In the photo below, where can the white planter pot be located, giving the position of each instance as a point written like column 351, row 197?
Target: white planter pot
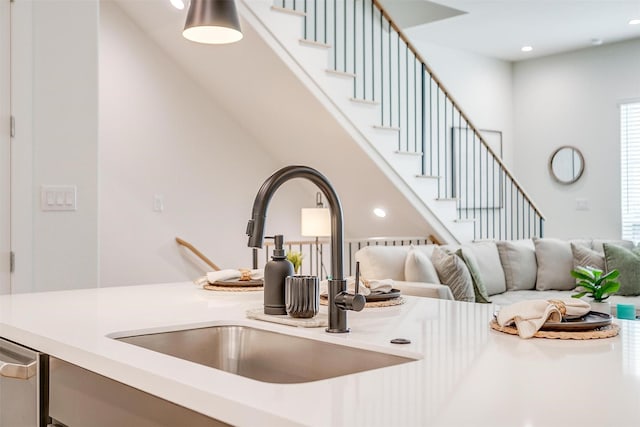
column 601, row 307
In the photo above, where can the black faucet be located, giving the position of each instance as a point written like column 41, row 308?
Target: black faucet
column 339, row 300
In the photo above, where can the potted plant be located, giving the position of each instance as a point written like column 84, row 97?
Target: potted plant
column 593, row 283
column 295, row 258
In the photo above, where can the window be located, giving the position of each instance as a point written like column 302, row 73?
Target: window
column 630, row 169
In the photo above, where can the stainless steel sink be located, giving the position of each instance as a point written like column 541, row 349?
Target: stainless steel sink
column 264, row 355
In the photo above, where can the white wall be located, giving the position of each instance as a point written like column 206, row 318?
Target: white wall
column 5, row 147
column 54, row 100
column 572, row 99
column 160, row 133
column 482, row 87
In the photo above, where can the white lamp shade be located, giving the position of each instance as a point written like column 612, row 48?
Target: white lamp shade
column 315, row 222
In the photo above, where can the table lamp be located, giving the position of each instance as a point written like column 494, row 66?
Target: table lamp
column 316, row 222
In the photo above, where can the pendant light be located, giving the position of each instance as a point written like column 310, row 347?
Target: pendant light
column 212, row 22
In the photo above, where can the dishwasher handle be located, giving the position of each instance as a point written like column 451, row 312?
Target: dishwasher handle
column 18, row 371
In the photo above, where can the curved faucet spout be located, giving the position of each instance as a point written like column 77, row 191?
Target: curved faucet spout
column 339, row 299
column 255, row 227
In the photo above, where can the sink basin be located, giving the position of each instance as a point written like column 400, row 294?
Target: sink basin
column 264, row 355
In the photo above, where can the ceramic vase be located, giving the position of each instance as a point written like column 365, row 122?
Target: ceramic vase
column 601, row 307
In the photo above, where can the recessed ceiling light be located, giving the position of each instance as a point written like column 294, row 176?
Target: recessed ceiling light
column 526, row 48
column 634, row 22
column 178, row 4
column 379, row 212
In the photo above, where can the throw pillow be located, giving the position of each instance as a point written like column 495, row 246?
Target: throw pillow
column 418, row 267
column 627, row 262
column 487, row 260
column 518, row 260
column 382, row 262
column 555, row 262
column 585, row 257
column 479, row 288
column 454, row 273
column 598, row 244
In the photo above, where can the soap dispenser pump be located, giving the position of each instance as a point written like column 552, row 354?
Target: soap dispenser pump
column 275, row 273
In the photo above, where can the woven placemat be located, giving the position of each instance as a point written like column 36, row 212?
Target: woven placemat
column 233, row 288
column 604, row 332
column 373, row 304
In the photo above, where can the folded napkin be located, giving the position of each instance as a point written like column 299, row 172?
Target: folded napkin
column 367, row 287
column 529, row 316
column 230, row 274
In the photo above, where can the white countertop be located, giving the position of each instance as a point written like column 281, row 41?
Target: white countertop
column 466, row 375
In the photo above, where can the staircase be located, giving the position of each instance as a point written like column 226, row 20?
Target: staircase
column 375, row 81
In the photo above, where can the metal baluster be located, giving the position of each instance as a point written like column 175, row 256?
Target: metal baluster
column 373, row 55
column 344, row 34
column 479, row 161
column 431, row 127
column 493, row 192
column 467, row 170
column 406, row 87
column 335, row 35
column 438, row 139
column 381, row 70
column 390, row 79
column 305, row 18
column 364, row 55
column 324, row 21
column 355, row 69
column 399, row 91
column 424, row 120
column 415, row 104
column 315, row 20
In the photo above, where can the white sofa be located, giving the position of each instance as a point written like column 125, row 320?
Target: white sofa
column 505, row 271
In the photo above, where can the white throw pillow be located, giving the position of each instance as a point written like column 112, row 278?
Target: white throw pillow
column 382, row 262
column 518, row 260
column 419, row 268
column 555, row 262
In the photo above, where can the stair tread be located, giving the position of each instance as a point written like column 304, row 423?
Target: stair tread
column 391, row 128
column 447, row 199
column 340, row 73
column 428, row 176
column 315, row 43
column 287, row 10
column 364, row 101
column 409, row 153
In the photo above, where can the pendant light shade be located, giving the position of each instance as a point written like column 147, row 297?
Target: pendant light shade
column 212, row 22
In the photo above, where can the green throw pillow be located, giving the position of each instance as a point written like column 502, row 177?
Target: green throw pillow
column 627, row 262
column 479, row 288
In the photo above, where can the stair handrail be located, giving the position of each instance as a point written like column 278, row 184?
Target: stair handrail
column 429, row 70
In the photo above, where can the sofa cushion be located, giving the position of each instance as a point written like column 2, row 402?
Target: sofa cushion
column 555, row 262
column 627, row 262
column 518, row 260
column 382, row 262
column 479, row 288
column 585, row 257
column 489, row 268
column 453, row 272
column 419, row 268
column 598, row 244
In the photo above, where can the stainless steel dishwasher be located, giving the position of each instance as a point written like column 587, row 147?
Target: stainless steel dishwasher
column 23, row 386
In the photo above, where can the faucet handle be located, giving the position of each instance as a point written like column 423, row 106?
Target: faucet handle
column 357, row 287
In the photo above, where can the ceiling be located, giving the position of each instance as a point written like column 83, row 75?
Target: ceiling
column 499, row 28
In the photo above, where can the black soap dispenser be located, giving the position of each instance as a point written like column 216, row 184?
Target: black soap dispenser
column 275, row 273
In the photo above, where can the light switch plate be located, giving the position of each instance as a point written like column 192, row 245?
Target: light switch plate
column 582, row 204
column 58, row 198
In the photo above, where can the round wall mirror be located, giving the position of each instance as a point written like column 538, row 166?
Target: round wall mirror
column 566, row 165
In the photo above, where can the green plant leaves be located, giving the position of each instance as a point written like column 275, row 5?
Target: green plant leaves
column 594, row 283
